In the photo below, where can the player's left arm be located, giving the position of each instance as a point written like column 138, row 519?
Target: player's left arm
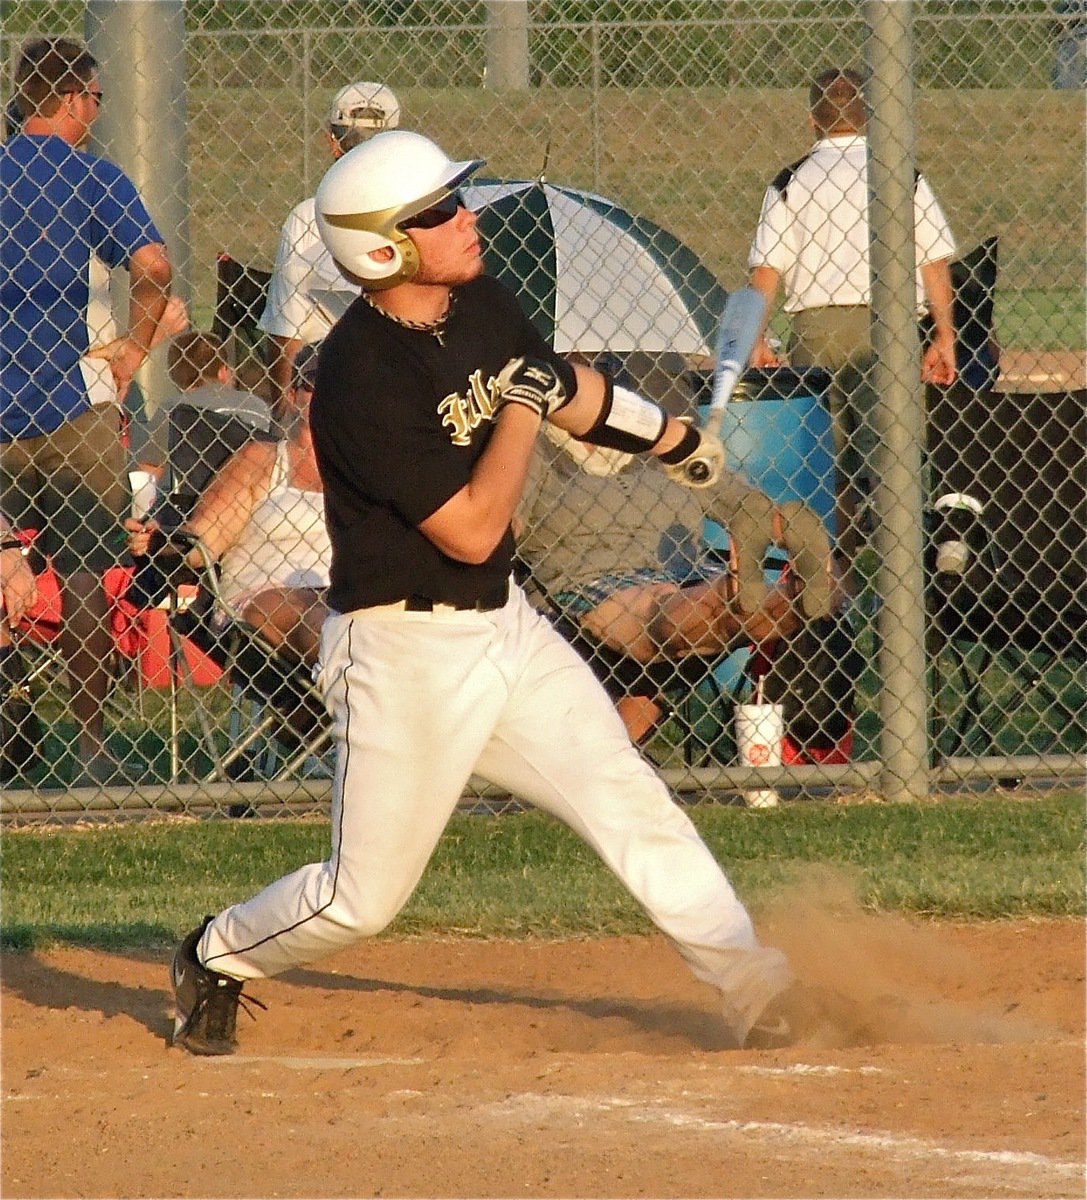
column 472, row 522
column 585, row 403
column 614, row 417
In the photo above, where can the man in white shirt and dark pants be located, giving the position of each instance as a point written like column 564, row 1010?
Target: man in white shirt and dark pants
column 813, row 237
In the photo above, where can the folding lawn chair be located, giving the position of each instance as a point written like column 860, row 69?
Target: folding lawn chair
column 145, row 659
column 277, row 718
column 240, row 294
column 279, row 725
column 1007, row 559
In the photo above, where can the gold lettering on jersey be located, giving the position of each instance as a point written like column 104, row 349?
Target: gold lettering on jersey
column 464, row 414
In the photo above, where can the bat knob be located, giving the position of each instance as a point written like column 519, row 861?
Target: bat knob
column 698, row 471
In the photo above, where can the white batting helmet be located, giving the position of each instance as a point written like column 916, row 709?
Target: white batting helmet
column 367, row 193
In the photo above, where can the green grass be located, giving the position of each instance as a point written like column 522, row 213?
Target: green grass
column 1041, row 319
column 138, row 731
column 524, row 875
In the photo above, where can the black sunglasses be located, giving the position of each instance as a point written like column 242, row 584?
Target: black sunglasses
column 437, row 214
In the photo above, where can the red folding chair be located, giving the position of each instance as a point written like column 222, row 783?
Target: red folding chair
column 148, row 651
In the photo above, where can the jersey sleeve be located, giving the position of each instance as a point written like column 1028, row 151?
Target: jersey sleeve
column 771, row 246
column 932, row 231
column 120, row 221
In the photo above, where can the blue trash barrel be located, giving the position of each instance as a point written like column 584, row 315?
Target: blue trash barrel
column 777, row 431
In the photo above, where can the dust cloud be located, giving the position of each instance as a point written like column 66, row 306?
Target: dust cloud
column 904, row 975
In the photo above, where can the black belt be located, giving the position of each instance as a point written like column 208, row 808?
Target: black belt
column 488, row 602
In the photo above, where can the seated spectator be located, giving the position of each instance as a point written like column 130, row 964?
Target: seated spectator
column 616, row 548
column 262, row 520
column 200, row 370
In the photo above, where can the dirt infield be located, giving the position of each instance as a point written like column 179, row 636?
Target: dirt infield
column 469, row 1068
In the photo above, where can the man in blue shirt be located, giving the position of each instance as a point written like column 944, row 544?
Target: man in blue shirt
column 66, row 218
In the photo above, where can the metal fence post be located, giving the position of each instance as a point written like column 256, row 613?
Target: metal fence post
column 594, row 104
column 140, row 48
column 307, row 92
column 900, row 413
column 507, row 45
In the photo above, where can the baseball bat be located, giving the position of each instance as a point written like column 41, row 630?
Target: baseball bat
column 741, row 324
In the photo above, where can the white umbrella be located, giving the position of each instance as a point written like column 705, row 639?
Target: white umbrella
column 593, row 276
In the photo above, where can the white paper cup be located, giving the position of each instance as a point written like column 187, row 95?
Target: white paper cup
column 952, row 557
column 760, row 730
column 144, row 488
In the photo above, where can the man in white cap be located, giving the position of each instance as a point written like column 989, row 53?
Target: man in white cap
column 292, row 315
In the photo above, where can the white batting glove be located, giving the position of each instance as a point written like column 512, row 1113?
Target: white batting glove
column 531, row 382
column 703, row 465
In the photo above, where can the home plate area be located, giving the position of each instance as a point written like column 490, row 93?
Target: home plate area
column 586, row 1068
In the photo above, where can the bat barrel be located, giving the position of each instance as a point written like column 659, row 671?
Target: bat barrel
column 741, row 323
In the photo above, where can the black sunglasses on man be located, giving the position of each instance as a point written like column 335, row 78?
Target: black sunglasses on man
column 437, row 214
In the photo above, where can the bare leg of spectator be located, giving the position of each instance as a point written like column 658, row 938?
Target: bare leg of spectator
column 664, row 621
column 289, row 618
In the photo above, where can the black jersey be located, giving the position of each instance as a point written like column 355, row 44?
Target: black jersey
column 399, row 419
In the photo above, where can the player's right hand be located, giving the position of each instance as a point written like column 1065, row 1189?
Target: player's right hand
column 531, row 382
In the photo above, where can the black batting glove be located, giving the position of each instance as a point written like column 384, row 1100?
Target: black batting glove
column 531, row 382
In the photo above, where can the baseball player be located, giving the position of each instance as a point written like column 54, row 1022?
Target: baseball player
column 431, row 391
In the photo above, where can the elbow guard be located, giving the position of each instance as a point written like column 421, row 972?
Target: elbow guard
column 627, row 421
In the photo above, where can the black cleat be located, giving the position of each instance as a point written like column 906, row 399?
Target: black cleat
column 205, row 1002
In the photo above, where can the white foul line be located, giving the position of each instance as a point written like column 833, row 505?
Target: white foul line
column 902, row 1146
column 313, row 1064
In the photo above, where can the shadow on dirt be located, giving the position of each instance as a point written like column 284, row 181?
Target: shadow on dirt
column 697, row 1029
column 48, row 986
column 45, row 985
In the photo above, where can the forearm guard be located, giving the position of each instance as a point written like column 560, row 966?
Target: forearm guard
column 626, row 421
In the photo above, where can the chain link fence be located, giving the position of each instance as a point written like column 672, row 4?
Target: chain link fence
column 644, row 160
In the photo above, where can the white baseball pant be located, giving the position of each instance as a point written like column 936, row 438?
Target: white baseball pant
column 420, row 702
